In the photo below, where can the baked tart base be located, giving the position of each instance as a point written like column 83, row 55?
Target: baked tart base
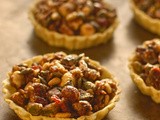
column 70, row 42
column 150, row 24
column 8, row 90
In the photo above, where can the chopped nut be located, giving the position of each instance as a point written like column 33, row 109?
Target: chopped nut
column 83, row 65
column 137, row 67
column 51, row 109
column 46, row 66
column 17, row 79
column 105, row 86
column 36, row 80
column 91, row 74
column 102, row 13
column 106, row 99
column 88, row 85
column 87, row 10
column 58, row 68
column 34, row 108
column 103, row 22
column 38, row 99
column 77, row 73
column 82, row 107
column 29, row 87
column 147, row 68
column 72, row 16
column 59, row 55
column 54, row 92
column 27, row 71
column 85, row 95
column 87, row 29
column 97, row 6
column 70, row 60
column 39, row 89
column 19, row 99
column 71, row 94
column 75, row 20
column 54, row 81
column 108, row 88
column 55, row 16
column 66, row 8
column 67, row 78
column 66, row 30
column 154, row 76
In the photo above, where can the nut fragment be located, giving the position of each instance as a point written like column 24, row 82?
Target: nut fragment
column 108, row 88
column 54, row 81
column 34, row 108
column 17, row 79
column 66, row 8
column 55, row 16
column 66, row 30
column 82, row 107
column 71, row 94
column 36, row 80
column 106, row 99
column 50, row 109
column 19, row 98
column 87, row 29
column 67, row 78
column 72, row 16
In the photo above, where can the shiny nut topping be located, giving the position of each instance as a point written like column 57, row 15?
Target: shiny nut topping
column 72, row 17
column 61, row 84
column 147, row 62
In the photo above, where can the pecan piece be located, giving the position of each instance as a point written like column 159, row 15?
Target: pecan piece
column 82, row 107
column 71, row 94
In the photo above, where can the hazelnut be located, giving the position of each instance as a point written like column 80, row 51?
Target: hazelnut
column 66, row 8
column 87, row 29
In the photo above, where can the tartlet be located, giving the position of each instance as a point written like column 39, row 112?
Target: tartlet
column 144, row 67
column 73, row 24
column 147, row 14
column 57, row 86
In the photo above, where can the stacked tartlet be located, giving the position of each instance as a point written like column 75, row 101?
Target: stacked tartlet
column 147, row 14
column 73, row 24
column 58, row 86
column 145, row 68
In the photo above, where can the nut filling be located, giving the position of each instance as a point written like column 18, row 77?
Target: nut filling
column 75, row 17
column 150, row 7
column 62, row 85
column 147, row 63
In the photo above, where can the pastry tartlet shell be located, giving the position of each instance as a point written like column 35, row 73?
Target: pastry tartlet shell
column 8, row 90
column 139, row 82
column 150, row 24
column 54, row 38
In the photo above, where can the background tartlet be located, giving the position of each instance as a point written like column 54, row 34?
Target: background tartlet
column 10, row 87
column 145, row 68
column 147, row 19
column 86, row 24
